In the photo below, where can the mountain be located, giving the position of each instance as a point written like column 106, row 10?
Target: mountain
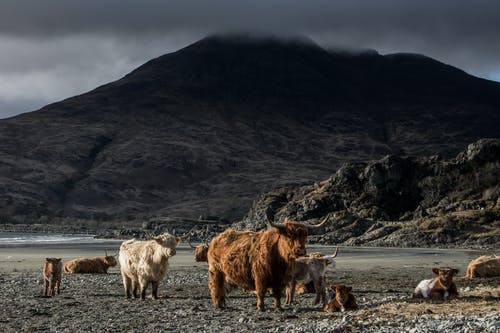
column 402, row 201
column 204, row 130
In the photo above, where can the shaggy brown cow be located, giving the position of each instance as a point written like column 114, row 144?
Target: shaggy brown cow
column 484, row 266
column 97, row 265
column 341, row 299
column 255, row 260
column 440, row 287
column 144, row 262
column 52, row 270
column 311, row 269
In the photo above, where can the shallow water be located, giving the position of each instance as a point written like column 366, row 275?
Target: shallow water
column 9, row 239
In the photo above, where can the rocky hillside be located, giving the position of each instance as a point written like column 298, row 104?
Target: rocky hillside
column 399, row 200
column 206, row 129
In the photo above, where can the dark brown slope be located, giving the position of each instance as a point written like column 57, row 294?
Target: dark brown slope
column 204, row 130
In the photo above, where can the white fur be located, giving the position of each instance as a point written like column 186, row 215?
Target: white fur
column 425, row 286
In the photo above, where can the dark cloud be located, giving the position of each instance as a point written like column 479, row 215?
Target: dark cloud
column 96, row 41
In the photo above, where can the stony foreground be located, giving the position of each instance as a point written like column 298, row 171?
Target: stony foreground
column 95, row 303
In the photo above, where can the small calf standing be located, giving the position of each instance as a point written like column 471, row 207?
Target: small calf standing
column 440, row 287
column 52, row 270
column 97, row 265
column 341, row 299
column 310, row 270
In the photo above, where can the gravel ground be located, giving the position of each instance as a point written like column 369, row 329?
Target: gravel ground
column 96, row 303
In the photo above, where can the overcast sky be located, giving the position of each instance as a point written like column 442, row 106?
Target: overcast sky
column 51, row 50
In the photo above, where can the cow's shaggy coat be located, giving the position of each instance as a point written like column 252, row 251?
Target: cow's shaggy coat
column 255, row 260
column 99, row 265
column 484, row 266
column 144, row 262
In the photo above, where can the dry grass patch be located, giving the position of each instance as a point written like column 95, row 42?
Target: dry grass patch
column 480, row 301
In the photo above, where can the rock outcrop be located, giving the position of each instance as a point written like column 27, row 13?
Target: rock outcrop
column 399, row 200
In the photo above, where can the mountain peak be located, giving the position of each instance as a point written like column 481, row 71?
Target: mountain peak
column 254, row 39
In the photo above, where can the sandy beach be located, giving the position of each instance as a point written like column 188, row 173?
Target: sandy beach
column 382, row 280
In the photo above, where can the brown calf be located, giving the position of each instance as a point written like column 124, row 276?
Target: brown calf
column 341, row 299
column 52, row 270
column 97, row 265
column 440, row 287
column 200, row 251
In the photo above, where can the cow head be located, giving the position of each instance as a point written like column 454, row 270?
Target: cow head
column 200, row 252
column 445, row 275
column 110, row 261
column 53, row 261
column 168, row 241
column 328, row 259
column 296, row 235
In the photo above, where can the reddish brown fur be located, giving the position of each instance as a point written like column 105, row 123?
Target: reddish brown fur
column 341, row 299
column 440, row 287
column 97, row 265
column 484, row 266
column 255, row 260
column 200, row 253
column 52, row 270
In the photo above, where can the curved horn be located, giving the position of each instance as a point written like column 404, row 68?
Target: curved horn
column 187, row 235
column 272, row 224
column 314, row 226
column 189, row 242
column 336, row 251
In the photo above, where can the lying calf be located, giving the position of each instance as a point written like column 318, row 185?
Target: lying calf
column 440, row 287
column 341, row 299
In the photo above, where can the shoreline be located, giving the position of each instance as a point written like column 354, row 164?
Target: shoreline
column 115, row 234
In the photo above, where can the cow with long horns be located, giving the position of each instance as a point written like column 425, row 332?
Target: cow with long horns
column 256, row 260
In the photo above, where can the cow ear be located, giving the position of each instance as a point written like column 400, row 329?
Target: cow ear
column 455, row 271
column 435, row 270
column 47, row 259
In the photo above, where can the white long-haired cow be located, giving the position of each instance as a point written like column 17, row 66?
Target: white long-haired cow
column 311, row 269
column 52, row 271
column 143, row 262
column 440, row 287
column 484, row 266
column 98, row 265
